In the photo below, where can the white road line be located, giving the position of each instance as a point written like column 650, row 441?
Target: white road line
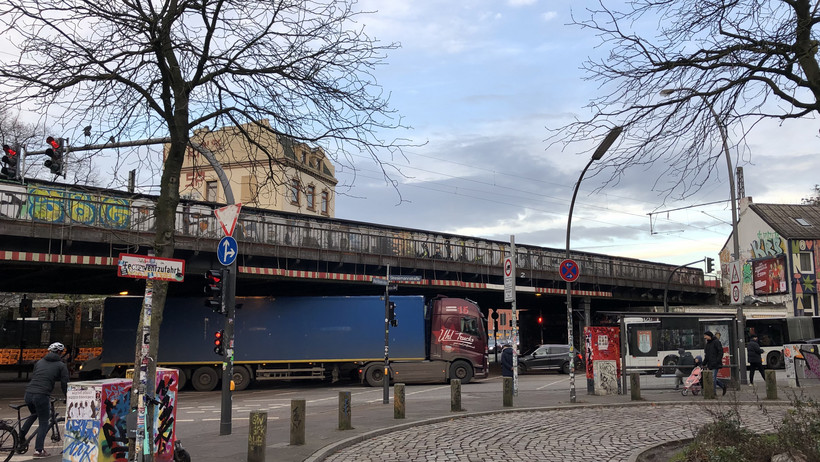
column 553, row 383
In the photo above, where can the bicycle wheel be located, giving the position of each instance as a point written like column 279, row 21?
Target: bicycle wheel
column 8, row 442
column 55, row 429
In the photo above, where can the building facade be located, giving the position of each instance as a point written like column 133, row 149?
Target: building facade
column 779, row 256
column 265, row 170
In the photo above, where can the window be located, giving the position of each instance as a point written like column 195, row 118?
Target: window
column 304, row 158
column 324, row 204
column 294, row 192
column 210, row 191
column 804, row 262
column 309, row 197
column 469, row 326
column 805, row 305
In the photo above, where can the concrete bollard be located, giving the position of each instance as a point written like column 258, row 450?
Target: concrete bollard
column 455, row 395
column 257, row 436
column 398, row 401
column 635, row 386
column 508, row 391
column 297, row 422
column 708, row 384
column 344, row 411
column 771, row 385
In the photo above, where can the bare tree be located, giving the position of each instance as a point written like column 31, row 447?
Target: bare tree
column 141, row 69
column 736, row 62
column 813, row 198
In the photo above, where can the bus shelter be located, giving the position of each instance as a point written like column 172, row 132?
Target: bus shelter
column 650, row 341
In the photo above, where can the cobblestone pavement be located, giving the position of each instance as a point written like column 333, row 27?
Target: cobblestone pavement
column 578, row 434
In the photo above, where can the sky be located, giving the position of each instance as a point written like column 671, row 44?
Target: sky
column 480, row 82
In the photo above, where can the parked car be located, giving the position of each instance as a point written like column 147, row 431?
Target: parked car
column 548, row 357
column 491, row 345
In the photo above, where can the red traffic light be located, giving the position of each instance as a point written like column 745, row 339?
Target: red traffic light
column 9, row 151
column 540, row 320
column 54, row 144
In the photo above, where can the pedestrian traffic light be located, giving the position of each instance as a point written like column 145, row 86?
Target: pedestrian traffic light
column 710, row 265
column 11, row 163
column 55, row 152
column 391, row 314
column 213, row 289
column 219, row 342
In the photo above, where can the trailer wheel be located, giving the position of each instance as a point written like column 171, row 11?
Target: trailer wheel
column 204, row 379
column 774, row 360
column 241, row 377
column 375, row 376
column 461, row 370
column 182, row 379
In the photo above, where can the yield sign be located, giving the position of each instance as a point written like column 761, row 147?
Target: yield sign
column 227, row 217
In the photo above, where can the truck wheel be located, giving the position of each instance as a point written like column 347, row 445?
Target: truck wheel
column 241, row 377
column 182, row 378
column 774, row 360
column 204, row 379
column 461, row 370
column 374, row 376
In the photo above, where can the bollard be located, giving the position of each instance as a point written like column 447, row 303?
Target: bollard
column 344, row 411
column 508, row 391
column 455, row 395
column 771, row 385
column 297, row 422
column 708, row 384
column 398, row 401
column 257, row 436
column 635, row 386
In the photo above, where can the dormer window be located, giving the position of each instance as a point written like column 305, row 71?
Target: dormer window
column 802, row 221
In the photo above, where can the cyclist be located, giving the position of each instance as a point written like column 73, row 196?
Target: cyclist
column 47, row 372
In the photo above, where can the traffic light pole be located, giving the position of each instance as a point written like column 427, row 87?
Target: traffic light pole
column 386, row 379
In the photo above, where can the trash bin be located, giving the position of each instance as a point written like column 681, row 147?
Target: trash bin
column 96, row 419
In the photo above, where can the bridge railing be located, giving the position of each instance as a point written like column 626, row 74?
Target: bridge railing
column 114, row 210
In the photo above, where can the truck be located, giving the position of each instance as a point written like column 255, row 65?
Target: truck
column 306, row 338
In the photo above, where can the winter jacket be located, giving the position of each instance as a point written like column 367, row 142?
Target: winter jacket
column 507, row 362
column 755, row 352
column 713, row 354
column 686, row 363
column 48, row 371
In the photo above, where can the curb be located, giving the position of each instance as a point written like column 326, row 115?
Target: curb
column 328, row 450
column 637, row 454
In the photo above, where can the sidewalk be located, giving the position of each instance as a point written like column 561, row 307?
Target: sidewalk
column 612, row 425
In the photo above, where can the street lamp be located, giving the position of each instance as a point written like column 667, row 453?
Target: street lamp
column 741, row 340
column 605, row 145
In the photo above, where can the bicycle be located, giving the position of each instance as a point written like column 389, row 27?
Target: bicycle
column 10, row 431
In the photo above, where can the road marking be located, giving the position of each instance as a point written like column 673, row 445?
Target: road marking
column 553, row 383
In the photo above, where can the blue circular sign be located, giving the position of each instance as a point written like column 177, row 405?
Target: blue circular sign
column 569, row 270
column 227, row 250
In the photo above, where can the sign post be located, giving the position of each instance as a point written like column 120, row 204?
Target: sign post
column 735, row 282
column 509, row 296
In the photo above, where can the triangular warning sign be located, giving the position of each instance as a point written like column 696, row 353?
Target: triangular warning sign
column 735, row 277
column 227, row 217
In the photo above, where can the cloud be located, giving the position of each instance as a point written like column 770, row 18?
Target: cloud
column 519, row 3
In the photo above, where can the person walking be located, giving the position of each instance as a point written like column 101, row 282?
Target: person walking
column 755, row 360
column 686, row 362
column 507, row 361
column 47, row 371
column 713, row 352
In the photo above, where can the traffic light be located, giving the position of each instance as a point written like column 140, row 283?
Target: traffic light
column 391, row 314
column 55, row 163
column 219, row 342
column 540, row 320
column 26, row 307
column 11, row 163
column 710, row 265
column 214, row 280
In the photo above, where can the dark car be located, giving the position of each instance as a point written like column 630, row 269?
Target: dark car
column 548, row 357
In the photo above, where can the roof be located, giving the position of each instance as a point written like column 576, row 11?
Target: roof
column 791, row 221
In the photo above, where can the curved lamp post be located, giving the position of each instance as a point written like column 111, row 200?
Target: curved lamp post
column 741, row 339
column 605, row 145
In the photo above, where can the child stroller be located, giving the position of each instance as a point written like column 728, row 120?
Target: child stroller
column 692, row 383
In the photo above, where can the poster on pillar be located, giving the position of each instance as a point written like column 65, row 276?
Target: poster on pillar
column 602, row 344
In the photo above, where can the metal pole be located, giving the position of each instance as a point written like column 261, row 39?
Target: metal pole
column 386, row 379
column 668, row 280
column 514, row 320
column 606, row 144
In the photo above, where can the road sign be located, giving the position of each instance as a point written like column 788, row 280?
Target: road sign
column 227, row 250
column 380, row 281
column 405, row 278
column 509, row 280
column 736, row 283
column 227, row 217
column 569, row 270
column 146, row 267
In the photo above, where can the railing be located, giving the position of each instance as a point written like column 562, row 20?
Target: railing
column 108, row 209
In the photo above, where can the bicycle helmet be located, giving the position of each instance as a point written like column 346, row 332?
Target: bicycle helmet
column 56, row 347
